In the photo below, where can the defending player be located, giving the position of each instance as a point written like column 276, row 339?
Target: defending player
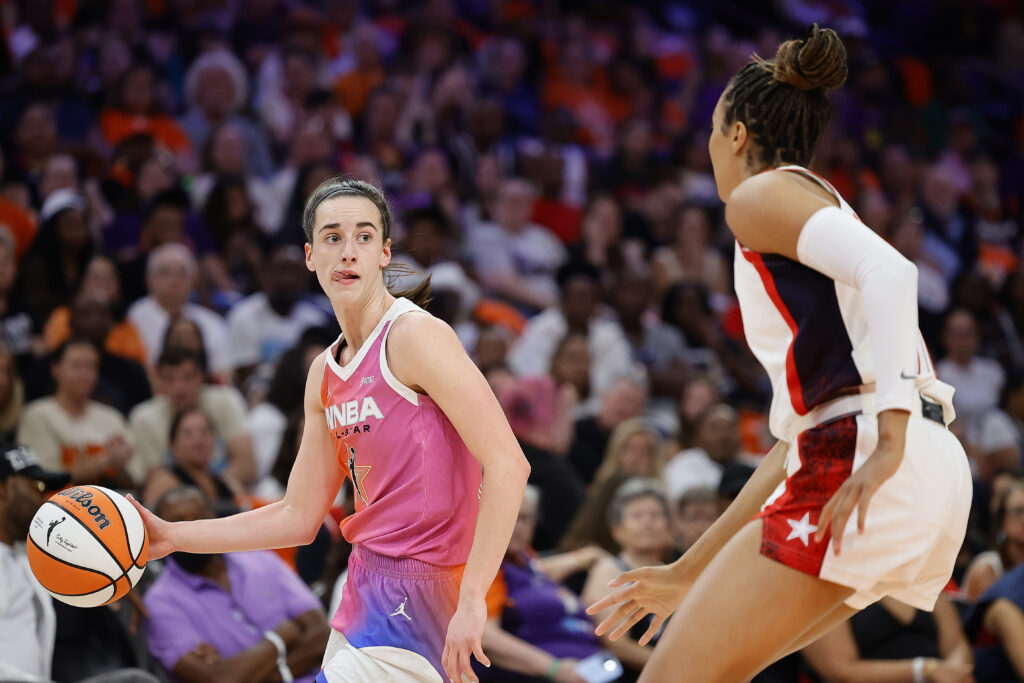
column 398, row 406
column 830, row 310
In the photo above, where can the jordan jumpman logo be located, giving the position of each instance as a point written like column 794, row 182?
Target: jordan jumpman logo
column 52, row 525
column 401, row 610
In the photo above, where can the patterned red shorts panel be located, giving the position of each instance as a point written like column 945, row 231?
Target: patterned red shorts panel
column 826, row 455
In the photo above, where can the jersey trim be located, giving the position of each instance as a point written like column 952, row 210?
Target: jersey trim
column 792, row 378
column 385, row 370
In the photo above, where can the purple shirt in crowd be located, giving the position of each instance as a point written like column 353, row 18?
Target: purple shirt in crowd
column 185, row 609
column 545, row 614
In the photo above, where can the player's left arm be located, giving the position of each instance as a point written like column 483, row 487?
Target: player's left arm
column 777, row 213
column 424, row 354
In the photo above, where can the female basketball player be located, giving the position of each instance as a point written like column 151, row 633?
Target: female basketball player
column 830, row 310
column 397, row 406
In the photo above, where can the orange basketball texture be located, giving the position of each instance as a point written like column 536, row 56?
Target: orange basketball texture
column 87, row 546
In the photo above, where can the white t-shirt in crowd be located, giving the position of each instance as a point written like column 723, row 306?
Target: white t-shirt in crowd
column 60, row 440
column 259, row 335
column 151, row 320
column 977, row 389
column 534, row 253
column 28, row 625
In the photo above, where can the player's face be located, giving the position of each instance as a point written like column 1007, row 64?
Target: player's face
column 727, row 148
column 718, row 147
column 348, row 252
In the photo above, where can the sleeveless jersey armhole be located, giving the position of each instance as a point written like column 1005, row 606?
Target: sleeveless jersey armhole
column 385, row 370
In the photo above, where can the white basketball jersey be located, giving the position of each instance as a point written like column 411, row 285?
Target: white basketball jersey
column 807, row 330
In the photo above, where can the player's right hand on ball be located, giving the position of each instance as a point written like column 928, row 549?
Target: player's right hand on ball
column 160, row 544
column 648, row 590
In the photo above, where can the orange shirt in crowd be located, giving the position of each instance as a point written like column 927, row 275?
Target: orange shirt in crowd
column 118, row 125
column 21, row 223
column 123, row 340
column 354, row 88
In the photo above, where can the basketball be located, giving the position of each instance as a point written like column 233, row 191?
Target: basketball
column 87, row 545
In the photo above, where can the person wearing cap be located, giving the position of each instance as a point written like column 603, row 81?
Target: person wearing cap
column 265, row 324
column 28, row 622
column 57, row 259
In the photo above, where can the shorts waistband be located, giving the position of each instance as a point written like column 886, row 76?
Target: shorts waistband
column 857, row 404
column 401, row 567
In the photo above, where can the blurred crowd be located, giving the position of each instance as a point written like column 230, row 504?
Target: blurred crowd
column 548, row 164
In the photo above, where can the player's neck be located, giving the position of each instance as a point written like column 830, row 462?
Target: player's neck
column 358, row 322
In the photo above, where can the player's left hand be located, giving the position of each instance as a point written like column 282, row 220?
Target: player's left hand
column 464, row 633
column 856, row 492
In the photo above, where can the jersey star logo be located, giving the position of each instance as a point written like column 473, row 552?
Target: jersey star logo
column 357, row 473
column 801, row 528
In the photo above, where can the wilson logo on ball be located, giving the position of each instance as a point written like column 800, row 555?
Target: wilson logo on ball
column 84, row 498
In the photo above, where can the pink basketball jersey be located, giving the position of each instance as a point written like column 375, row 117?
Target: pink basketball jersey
column 416, row 485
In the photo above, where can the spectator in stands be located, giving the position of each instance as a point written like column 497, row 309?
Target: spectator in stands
column 699, row 394
column 580, row 312
column 692, row 515
column 951, row 241
column 891, row 641
column 570, row 365
column 656, row 345
column 12, row 397
column 515, row 258
column 267, row 420
column 28, row 623
column 181, row 387
column 536, row 628
column 716, row 444
column 192, row 449
column 216, row 92
column 538, row 412
column 100, row 279
column 122, row 383
column 1008, row 544
column 591, row 433
column 70, row 432
column 17, row 329
column 170, row 276
column 634, row 450
column 977, row 380
column 634, row 447
column 691, row 256
column 135, row 108
column 208, row 613
column 264, row 324
column 639, row 520
column 55, row 263
column 994, row 625
column 34, row 141
column 1000, row 431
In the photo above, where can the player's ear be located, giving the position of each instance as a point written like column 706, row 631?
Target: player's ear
column 309, row 258
column 386, row 253
column 739, row 137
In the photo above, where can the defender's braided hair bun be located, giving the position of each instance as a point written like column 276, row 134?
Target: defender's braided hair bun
column 818, row 61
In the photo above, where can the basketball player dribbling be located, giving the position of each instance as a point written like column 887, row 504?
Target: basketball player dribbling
column 398, row 407
column 830, row 310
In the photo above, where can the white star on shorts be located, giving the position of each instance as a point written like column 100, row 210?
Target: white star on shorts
column 801, row 528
